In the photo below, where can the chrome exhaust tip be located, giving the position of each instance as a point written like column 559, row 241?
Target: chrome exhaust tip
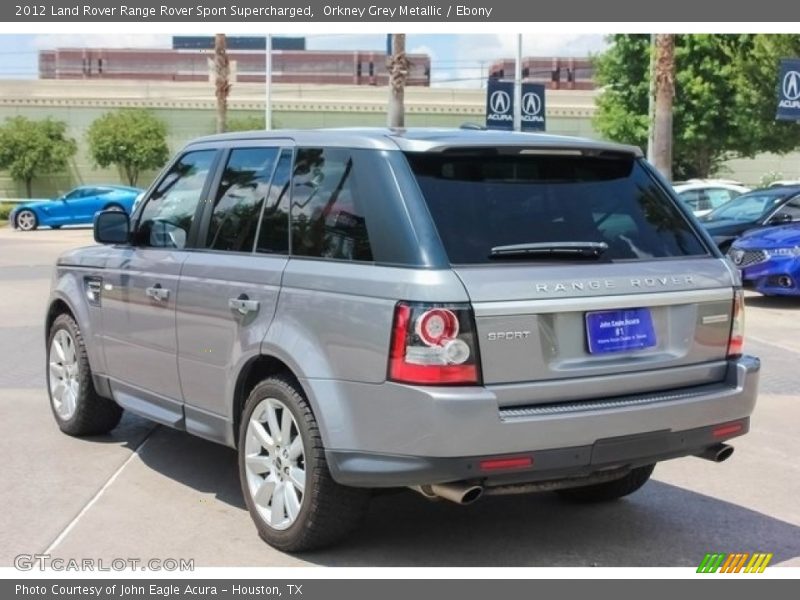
column 460, row 493
column 717, row 453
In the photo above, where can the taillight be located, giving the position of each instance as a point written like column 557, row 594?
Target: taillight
column 736, row 341
column 433, row 344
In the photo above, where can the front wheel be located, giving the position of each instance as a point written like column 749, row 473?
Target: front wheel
column 287, row 486
column 26, row 220
column 610, row 490
column 77, row 407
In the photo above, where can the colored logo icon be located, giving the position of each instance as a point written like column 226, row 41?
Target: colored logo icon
column 741, row 562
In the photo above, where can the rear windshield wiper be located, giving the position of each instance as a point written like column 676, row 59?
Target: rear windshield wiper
column 554, row 249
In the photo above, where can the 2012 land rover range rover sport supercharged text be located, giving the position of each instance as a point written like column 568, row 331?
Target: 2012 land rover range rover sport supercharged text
column 459, row 312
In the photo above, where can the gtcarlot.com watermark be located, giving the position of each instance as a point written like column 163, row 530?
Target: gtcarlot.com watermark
column 43, row 562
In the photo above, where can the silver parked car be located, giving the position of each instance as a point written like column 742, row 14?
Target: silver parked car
column 458, row 312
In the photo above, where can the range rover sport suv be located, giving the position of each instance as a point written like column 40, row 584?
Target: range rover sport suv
column 458, row 312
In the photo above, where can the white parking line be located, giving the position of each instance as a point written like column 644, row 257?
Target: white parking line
column 97, row 496
column 773, row 344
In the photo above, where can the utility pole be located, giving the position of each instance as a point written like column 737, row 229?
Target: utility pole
column 222, row 84
column 664, row 95
column 399, row 68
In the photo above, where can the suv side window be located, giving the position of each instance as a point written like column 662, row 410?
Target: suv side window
column 327, row 218
column 273, row 234
column 168, row 215
column 241, row 194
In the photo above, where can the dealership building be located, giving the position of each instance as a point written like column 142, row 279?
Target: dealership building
column 191, row 59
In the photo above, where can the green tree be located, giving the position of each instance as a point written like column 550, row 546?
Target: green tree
column 29, row 148
column 133, row 139
column 246, row 123
column 725, row 97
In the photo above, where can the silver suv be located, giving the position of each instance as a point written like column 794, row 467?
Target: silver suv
column 459, row 312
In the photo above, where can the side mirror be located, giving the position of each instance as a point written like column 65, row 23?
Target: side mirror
column 111, row 227
column 780, row 218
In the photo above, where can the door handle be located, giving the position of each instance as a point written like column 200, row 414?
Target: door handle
column 243, row 304
column 157, row 292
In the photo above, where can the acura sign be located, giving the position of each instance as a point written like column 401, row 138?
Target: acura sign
column 789, row 90
column 500, row 105
column 533, row 107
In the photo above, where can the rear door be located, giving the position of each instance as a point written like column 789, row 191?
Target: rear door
column 229, row 287
column 651, row 309
column 140, row 288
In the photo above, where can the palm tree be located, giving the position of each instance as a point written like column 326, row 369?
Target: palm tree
column 222, row 72
column 399, row 67
column 664, row 73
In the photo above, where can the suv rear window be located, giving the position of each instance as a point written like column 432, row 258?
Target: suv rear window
column 484, row 200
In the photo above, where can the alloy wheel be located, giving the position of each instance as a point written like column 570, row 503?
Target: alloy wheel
column 275, row 463
column 64, row 374
column 26, row 220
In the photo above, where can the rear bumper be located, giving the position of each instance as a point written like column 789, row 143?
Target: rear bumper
column 392, row 435
column 625, row 452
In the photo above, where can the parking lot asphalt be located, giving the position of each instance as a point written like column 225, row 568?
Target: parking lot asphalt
column 146, row 491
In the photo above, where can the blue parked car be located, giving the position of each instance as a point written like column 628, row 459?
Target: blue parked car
column 753, row 210
column 769, row 259
column 73, row 208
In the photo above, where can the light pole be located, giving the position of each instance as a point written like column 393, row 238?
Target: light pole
column 268, row 108
column 518, row 86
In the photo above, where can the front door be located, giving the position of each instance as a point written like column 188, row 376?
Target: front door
column 140, row 289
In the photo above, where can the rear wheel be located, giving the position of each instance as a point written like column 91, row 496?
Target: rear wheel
column 77, row 407
column 287, row 487
column 609, row 490
column 27, row 220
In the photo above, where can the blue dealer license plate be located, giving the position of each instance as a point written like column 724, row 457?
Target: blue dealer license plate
column 619, row 330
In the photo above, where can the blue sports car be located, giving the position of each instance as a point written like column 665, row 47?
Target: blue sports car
column 76, row 207
column 769, row 259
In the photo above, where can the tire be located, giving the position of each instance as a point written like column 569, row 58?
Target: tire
column 609, row 490
column 324, row 511
column 26, row 220
column 76, row 406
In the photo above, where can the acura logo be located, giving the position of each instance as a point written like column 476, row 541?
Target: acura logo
column 531, row 104
column 499, row 102
column 738, row 256
column 791, row 85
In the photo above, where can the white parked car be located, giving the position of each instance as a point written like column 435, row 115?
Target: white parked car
column 704, row 195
